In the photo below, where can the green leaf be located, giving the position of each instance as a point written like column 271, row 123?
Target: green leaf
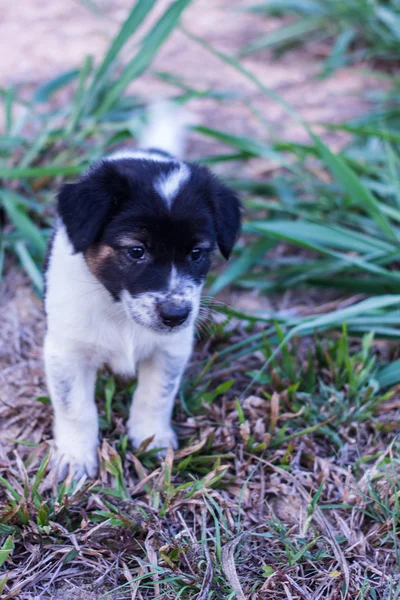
column 285, row 232
column 284, row 35
column 29, row 265
column 330, row 236
column 246, row 145
column 296, row 557
column 271, row 93
column 143, row 58
column 109, row 391
column 70, row 555
column 136, row 17
column 267, row 571
column 219, row 390
column 339, row 55
column 6, row 550
column 358, row 193
column 390, row 374
column 22, row 222
column 41, row 472
column 44, row 92
column 79, row 99
column 3, row 582
column 247, row 258
column 36, row 172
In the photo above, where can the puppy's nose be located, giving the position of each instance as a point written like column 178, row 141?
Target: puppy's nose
column 172, row 314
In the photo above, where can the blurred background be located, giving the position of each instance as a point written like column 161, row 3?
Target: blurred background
column 289, row 412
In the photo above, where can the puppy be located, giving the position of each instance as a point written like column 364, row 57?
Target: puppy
column 131, row 249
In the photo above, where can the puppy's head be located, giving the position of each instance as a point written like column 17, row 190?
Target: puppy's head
column 147, row 231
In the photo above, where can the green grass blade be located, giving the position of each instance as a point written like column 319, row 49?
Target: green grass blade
column 44, row 92
column 149, row 47
column 29, row 266
column 248, row 257
column 35, row 172
column 330, row 320
column 2, row 256
column 136, row 17
column 281, row 7
column 6, row 550
column 9, row 97
column 340, row 52
column 367, row 132
column 283, row 35
column 390, row 374
column 246, row 145
column 248, row 75
column 38, row 145
column 330, row 236
column 79, row 100
column 358, row 193
column 287, row 235
column 22, row 222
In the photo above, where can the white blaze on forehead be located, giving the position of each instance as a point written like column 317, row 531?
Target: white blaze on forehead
column 169, row 185
column 174, row 279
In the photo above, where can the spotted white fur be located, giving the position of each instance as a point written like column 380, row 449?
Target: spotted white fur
column 89, row 326
column 86, row 329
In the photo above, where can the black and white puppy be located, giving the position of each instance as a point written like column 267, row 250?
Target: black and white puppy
column 131, row 249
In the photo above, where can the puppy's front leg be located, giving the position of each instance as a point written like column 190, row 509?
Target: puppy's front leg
column 71, row 382
column 150, row 415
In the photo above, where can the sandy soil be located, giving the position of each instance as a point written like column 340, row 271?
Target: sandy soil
column 39, row 39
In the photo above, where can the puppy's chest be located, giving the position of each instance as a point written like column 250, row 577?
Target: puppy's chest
column 123, row 346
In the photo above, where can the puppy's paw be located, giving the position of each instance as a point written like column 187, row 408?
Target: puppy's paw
column 77, row 461
column 163, row 436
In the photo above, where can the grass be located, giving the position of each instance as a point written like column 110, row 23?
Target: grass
column 356, row 30
column 36, row 148
column 191, row 522
column 287, row 420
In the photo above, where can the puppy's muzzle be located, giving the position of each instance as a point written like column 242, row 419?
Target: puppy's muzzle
column 173, row 314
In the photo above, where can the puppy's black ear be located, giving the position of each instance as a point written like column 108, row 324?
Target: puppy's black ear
column 87, row 205
column 227, row 217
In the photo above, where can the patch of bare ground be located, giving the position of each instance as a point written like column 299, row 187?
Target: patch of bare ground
column 234, row 508
column 21, row 367
column 258, row 500
column 48, row 38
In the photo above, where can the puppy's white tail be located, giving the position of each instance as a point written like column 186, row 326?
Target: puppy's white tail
column 165, row 129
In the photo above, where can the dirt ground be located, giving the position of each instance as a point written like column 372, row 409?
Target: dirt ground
column 46, row 38
column 40, row 38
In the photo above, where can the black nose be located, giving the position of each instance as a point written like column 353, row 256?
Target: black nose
column 173, row 315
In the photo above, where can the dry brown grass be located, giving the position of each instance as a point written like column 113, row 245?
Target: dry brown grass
column 284, row 487
column 249, row 507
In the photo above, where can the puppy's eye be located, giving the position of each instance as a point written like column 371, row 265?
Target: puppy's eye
column 196, row 254
column 136, row 252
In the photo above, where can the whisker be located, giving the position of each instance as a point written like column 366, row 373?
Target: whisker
column 210, row 301
column 205, row 329
column 209, row 312
column 93, row 293
column 91, row 282
column 118, row 311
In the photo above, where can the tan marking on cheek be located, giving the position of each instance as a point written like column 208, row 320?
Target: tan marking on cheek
column 96, row 256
